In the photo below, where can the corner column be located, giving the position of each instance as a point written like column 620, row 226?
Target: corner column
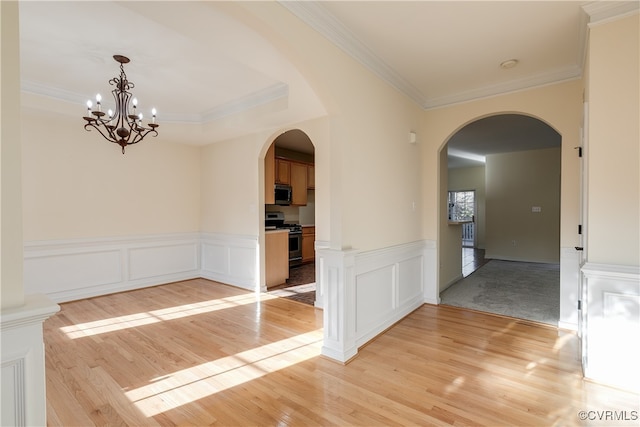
column 337, row 281
column 23, row 365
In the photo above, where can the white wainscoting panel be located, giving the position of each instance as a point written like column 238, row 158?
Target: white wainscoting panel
column 364, row 293
column 411, row 275
column 611, row 324
column 65, row 270
column 376, row 297
column 230, row 259
column 430, row 269
column 82, row 268
column 175, row 258
column 23, row 391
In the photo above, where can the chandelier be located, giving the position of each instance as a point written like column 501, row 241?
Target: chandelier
column 123, row 127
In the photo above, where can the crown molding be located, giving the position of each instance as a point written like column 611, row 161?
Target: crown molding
column 39, row 88
column 604, row 11
column 507, row 87
column 256, row 99
column 318, row 18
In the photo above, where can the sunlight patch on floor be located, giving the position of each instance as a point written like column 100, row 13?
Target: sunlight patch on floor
column 188, row 385
column 293, row 290
column 102, row 326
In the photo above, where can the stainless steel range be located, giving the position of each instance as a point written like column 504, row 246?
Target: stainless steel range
column 275, row 220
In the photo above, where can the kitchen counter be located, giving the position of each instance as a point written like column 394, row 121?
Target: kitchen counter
column 276, row 256
column 276, row 230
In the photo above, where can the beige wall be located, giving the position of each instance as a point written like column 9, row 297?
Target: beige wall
column 232, row 199
column 450, row 236
column 230, row 186
column 374, row 177
column 515, row 183
column 613, row 154
column 78, row 185
column 11, row 288
column 473, row 178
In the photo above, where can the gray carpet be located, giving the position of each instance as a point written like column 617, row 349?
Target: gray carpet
column 517, row 289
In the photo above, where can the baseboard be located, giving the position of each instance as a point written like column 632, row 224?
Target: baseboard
column 568, row 326
column 451, row 282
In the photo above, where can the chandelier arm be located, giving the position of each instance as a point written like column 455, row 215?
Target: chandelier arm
column 109, row 137
column 140, row 135
column 109, row 128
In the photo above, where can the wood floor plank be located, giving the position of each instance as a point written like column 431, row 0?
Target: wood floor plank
column 201, row 353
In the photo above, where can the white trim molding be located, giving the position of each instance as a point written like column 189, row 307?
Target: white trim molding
column 611, row 324
column 23, row 369
column 365, row 293
column 605, row 11
column 319, row 244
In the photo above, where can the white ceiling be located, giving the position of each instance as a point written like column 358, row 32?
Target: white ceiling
column 211, row 77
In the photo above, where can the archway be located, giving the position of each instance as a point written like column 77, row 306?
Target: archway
column 289, row 207
column 512, row 162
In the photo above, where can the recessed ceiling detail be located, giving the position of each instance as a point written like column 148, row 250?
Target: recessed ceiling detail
column 207, row 68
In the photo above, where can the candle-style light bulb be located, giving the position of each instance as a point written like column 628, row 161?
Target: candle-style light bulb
column 110, row 112
column 98, row 99
column 89, row 105
column 153, row 115
column 140, row 118
column 134, row 102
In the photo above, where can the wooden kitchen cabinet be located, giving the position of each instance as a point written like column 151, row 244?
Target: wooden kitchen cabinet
column 311, row 177
column 270, row 176
column 276, row 257
column 298, row 184
column 308, row 243
column 299, row 175
column 283, row 171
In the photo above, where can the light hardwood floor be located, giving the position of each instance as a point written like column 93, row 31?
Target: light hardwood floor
column 201, row 353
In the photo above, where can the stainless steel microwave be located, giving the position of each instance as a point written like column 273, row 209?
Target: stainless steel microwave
column 283, row 194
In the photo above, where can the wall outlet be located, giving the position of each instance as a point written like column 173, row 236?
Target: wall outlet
column 513, row 243
column 536, row 209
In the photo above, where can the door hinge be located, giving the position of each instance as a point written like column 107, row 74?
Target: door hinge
column 579, row 228
column 579, row 305
column 579, row 151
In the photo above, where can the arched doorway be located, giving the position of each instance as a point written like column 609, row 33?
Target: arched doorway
column 290, row 208
column 511, row 164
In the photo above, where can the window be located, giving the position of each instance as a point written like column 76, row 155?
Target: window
column 461, row 205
